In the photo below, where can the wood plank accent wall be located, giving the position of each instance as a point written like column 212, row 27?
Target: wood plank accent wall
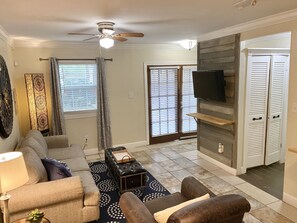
column 220, row 54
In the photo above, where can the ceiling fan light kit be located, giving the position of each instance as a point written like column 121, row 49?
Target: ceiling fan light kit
column 188, row 44
column 106, row 42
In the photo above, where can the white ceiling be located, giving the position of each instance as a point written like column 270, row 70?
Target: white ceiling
column 160, row 21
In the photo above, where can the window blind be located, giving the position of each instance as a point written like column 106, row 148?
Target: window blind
column 189, row 102
column 163, row 85
column 78, row 81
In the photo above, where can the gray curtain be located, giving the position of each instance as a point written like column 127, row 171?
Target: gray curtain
column 103, row 119
column 58, row 125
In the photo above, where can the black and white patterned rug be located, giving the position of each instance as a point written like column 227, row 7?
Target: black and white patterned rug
column 110, row 211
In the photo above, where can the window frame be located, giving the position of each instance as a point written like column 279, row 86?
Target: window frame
column 179, row 134
column 78, row 113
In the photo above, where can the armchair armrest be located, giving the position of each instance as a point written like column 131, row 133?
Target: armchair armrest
column 44, row 194
column 59, row 141
column 192, row 188
column 226, row 208
column 134, row 210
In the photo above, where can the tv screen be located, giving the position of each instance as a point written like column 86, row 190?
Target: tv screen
column 209, row 85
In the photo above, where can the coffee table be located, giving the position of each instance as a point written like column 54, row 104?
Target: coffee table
column 128, row 176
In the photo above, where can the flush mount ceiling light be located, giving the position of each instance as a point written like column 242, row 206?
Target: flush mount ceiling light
column 106, row 42
column 244, row 3
column 188, row 44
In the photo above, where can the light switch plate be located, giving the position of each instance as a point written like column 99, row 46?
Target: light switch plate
column 131, row 95
column 295, row 107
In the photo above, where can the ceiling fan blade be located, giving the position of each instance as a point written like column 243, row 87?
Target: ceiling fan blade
column 94, row 37
column 118, row 38
column 129, row 35
column 85, row 34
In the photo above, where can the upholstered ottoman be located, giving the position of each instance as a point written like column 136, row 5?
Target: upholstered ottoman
column 128, row 176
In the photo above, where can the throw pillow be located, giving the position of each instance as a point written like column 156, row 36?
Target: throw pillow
column 55, row 169
column 36, row 170
column 162, row 216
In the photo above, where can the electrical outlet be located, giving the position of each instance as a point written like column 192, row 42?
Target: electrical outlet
column 221, row 148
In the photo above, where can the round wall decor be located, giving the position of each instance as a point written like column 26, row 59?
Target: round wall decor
column 6, row 103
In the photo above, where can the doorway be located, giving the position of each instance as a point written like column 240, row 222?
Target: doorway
column 269, row 126
column 171, row 97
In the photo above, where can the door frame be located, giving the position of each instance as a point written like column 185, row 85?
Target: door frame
column 264, row 52
column 145, row 78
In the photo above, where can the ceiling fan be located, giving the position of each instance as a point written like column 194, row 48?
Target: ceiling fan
column 107, row 34
column 244, row 3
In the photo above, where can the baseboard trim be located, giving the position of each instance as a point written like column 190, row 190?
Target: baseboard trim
column 289, row 199
column 91, row 151
column 133, row 144
column 219, row 164
column 94, row 151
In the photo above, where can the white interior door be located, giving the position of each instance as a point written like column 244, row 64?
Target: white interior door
column 256, row 109
column 278, row 72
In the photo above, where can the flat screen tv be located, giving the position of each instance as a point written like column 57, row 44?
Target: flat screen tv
column 209, row 85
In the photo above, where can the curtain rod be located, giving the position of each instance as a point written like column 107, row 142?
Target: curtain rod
column 43, row 59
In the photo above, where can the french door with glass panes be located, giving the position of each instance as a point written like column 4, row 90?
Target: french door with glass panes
column 171, row 97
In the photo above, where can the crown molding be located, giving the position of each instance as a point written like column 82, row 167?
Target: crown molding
column 5, row 36
column 248, row 26
column 92, row 45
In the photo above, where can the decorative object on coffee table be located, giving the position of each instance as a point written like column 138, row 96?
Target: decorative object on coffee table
column 122, row 156
column 129, row 175
column 35, row 216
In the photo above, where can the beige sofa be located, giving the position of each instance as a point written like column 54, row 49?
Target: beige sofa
column 73, row 199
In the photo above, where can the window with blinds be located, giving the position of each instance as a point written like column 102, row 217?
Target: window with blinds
column 163, row 96
column 189, row 102
column 78, row 81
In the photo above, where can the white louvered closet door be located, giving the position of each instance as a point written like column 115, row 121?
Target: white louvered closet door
column 256, row 109
column 278, row 74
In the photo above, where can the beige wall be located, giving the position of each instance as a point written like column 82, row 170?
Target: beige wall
column 271, row 41
column 9, row 143
column 125, row 74
column 290, row 183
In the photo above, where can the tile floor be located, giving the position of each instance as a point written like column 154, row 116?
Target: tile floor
column 171, row 162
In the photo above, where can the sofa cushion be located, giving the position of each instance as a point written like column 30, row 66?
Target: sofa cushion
column 35, row 168
column 55, row 169
column 65, row 153
column 164, row 202
column 92, row 194
column 77, row 164
column 162, row 216
column 38, row 137
column 36, row 146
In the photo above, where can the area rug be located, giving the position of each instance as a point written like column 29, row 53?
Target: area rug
column 110, row 211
